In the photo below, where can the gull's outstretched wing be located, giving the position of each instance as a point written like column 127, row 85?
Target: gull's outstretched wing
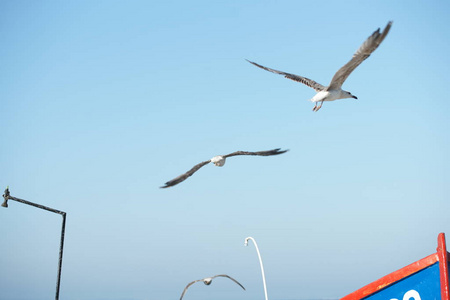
column 189, row 284
column 184, row 176
column 260, row 153
column 306, row 81
column 360, row 55
column 224, row 275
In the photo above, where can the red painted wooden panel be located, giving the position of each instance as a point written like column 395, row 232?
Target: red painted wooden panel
column 443, row 266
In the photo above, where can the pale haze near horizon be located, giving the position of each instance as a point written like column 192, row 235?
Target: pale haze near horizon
column 104, row 101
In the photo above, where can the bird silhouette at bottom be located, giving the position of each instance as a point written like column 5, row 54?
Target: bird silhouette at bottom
column 207, row 281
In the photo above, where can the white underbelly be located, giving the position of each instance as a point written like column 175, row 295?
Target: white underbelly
column 325, row 96
column 320, row 96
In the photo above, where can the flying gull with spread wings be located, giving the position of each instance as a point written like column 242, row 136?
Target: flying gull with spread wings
column 334, row 91
column 208, row 281
column 219, row 161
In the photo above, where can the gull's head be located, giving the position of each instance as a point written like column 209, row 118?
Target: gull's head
column 349, row 95
column 207, row 281
column 218, row 160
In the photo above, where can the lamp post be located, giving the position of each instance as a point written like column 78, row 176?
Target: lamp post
column 260, row 262
column 7, row 197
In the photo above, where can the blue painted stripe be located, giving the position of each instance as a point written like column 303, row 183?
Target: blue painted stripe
column 423, row 285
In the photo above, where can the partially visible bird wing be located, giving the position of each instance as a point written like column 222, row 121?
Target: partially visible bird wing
column 189, row 284
column 360, row 55
column 260, row 153
column 184, row 176
column 306, row 81
column 224, row 275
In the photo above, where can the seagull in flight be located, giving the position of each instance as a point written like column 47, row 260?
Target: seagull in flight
column 208, row 281
column 219, row 161
column 334, row 91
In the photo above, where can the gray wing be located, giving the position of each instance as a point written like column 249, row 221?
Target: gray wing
column 184, row 176
column 224, row 275
column 306, row 81
column 189, row 284
column 360, row 55
column 260, row 153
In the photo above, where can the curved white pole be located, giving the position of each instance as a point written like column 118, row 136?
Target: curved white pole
column 260, row 262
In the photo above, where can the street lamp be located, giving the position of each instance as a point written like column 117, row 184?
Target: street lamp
column 7, row 196
column 260, row 262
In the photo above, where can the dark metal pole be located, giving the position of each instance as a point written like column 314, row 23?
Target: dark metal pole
column 61, row 247
column 7, row 197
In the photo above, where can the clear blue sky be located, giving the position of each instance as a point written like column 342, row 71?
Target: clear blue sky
column 104, row 101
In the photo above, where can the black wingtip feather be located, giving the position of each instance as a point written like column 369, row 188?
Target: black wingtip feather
column 277, row 151
column 167, row 185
